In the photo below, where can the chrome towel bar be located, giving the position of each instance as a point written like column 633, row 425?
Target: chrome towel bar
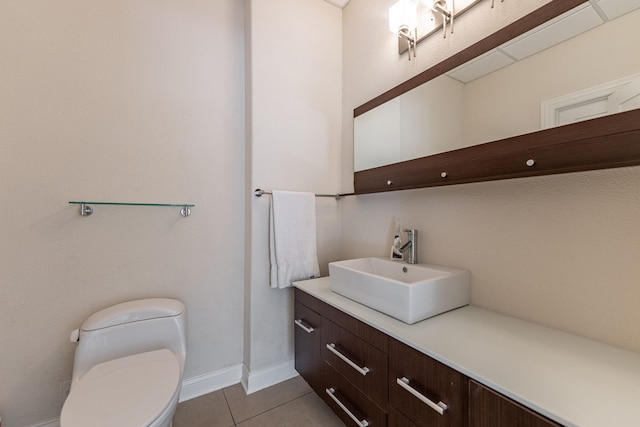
column 258, row 193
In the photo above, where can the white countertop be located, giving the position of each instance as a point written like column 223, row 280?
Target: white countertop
column 571, row 380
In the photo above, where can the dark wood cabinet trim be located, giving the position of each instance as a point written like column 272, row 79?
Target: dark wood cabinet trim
column 606, row 142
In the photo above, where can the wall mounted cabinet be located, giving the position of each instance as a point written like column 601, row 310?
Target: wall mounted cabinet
column 346, row 364
column 371, row 379
column 606, row 142
column 600, row 143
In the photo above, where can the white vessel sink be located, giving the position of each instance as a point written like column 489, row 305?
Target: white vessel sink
column 408, row 292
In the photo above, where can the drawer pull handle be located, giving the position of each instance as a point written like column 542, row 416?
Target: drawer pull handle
column 332, row 348
column 330, row 392
column 307, row 329
column 438, row 407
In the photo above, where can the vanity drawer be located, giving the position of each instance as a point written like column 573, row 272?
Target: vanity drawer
column 308, row 359
column 396, row 419
column 350, row 404
column 362, row 364
column 360, row 329
column 419, row 385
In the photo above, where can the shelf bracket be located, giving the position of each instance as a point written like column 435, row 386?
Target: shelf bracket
column 85, row 210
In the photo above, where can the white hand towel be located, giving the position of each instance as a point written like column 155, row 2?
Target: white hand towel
column 292, row 238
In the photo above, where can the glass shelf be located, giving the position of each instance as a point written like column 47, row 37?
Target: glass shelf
column 86, row 210
column 133, row 204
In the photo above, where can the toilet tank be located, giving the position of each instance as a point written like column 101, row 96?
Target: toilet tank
column 130, row 328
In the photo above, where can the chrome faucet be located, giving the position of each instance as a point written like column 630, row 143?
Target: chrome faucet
column 412, row 244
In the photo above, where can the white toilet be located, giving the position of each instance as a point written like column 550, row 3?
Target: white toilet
column 128, row 366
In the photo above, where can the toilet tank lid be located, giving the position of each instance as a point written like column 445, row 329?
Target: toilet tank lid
column 133, row 311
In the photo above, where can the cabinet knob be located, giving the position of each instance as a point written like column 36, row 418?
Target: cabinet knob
column 389, row 182
column 444, row 174
column 531, row 162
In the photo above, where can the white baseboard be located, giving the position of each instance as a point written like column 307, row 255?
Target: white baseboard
column 212, row 381
column 257, row 380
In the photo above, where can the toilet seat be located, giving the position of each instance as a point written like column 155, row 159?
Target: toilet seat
column 132, row 391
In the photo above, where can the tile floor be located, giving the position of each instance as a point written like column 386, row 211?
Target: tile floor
column 291, row 403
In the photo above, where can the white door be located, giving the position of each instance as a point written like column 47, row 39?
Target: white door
column 610, row 98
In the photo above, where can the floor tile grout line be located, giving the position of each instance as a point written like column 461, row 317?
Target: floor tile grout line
column 277, row 406
column 229, row 408
column 270, row 409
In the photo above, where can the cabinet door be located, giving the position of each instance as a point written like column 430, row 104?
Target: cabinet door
column 490, row 409
column 308, row 361
column 425, row 391
column 358, row 361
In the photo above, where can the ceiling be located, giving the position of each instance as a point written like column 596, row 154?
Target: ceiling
column 568, row 25
column 339, row 3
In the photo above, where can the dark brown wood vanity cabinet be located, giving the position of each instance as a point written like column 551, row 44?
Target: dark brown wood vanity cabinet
column 352, row 370
column 490, row 409
column 370, row 379
column 308, row 360
column 424, row 391
column 344, row 360
column 359, row 362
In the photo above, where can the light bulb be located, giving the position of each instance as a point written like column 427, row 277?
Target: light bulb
column 402, row 15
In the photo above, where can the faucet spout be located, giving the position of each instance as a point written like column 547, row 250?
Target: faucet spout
column 406, row 246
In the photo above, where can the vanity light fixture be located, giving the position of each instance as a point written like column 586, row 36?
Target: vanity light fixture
column 405, row 15
column 442, row 7
column 403, row 23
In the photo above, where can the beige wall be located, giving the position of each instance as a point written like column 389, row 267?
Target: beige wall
column 116, row 101
column 146, row 102
column 558, row 250
column 294, row 104
column 141, row 101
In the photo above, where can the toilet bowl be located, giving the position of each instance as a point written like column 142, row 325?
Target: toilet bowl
column 128, row 366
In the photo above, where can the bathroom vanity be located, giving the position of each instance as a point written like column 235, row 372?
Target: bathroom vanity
column 466, row 367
